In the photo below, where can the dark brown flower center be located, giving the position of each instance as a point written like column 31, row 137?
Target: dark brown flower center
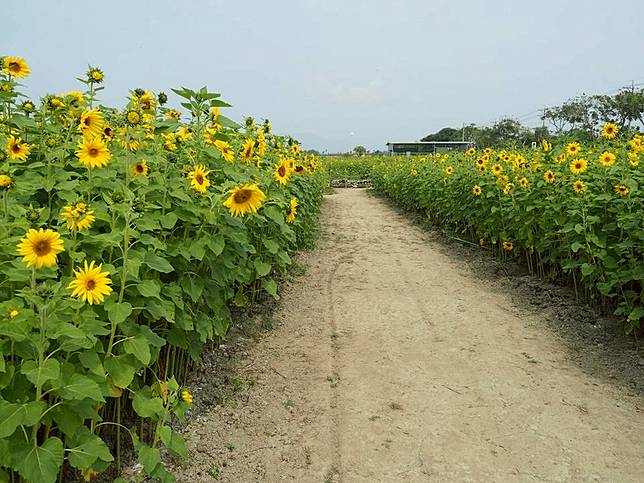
column 139, row 168
column 14, row 66
column 93, row 152
column 90, row 284
column 15, row 148
column 281, row 171
column 242, row 196
column 41, row 248
column 199, row 179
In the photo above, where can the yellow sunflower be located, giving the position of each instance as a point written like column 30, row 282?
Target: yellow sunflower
column 573, row 149
column 17, row 149
column 610, row 130
column 470, row 152
column 199, row 178
column 622, row 190
column 173, row 114
column 578, row 166
column 139, row 169
column 91, row 284
column 507, row 246
column 607, row 159
column 6, row 181
column 546, row 145
column 186, row 397
column 549, row 176
column 497, row 169
column 299, row 169
column 523, row 182
column 290, row 217
column 94, row 74
column 93, row 153
column 244, row 199
column 226, row 151
column 507, row 189
column 295, row 149
column 448, row 171
column 91, row 123
column 247, row 150
column 282, row 172
column 78, row 217
column 40, row 248
column 578, row 186
column 16, row 67
column 476, row 190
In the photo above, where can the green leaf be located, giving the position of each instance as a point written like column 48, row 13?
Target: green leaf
column 40, row 463
column 149, row 458
column 193, row 286
column 120, row 369
column 271, row 287
column 85, row 448
column 91, row 362
column 262, row 268
column 575, row 247
column 587, row 269
column 168, row 220
column 271, row 245
column 216, row 244
column 149, row 288
column 38, row 375
column 80, row 387
column 173, row 441
column 138, row 347
column 155, row 262
column 118, row 312
column 145, row 406
column 13, row 415
column 197, row 250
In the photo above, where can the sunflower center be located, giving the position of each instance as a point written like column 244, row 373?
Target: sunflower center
column 14, row 66
column 139, row 168
column 93, row 152
column 15, row 148
column 90, row 285
column 42, row 248
column 281, row 171
column 199, row 179
column 242, row 196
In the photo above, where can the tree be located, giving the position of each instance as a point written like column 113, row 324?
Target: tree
column 359, row 150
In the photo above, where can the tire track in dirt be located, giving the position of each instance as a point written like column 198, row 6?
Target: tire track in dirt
column 390, row 361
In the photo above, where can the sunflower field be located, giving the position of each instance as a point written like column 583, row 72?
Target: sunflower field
column 127, row 236
column 574, row 213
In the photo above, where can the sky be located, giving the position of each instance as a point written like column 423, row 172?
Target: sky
column 336, row 74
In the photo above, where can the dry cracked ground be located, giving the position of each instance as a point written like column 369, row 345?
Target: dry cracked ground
column 391, row 360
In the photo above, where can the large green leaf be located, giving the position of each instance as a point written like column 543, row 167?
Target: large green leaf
column 120, row 369
column 80, row 387
column 118, row 312
column 13, row 415
column 40, row 463
column 85, row 448
column 262, row 268
column 139, row 347
column 39, row 374
column 146, row 406
column 149, row 288
column 155, row 262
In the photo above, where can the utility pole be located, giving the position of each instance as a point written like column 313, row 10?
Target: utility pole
column 463, row 132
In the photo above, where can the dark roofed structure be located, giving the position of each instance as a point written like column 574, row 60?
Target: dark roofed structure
column 427, row 147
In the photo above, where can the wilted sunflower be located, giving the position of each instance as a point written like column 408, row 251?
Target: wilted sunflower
column 476, row 190
column 607, row 159
column 226, row 151
column 244, row 199
column 139, row 169
column 17, row 149
column 290, row 217
column 622, row 190
column 610, row 130
column 247, row 150
column 573, row 149
column 93, row 153
column 91, row 123
column 578, row 186
column 16, row 67
column 91, row 284
column 78, row 217
column 549, row 176
column 199, row 178
column 282, row 172
column 578, row 166
column 40, row 248
column 507, row 246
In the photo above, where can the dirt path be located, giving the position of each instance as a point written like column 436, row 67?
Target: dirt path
column 391, row 361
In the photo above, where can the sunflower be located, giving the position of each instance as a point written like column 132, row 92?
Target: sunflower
column 91, row 123
column 93, row 153
column 224, row 148
column 295, row 149
column 299, row 169
column 13, row 313
column 621, row 190
column 549, row 176
column 91, row 284
column 214, row 112
column 610, row 130
column 546, row 145
column 633, row 159
column 497, row 169
column 17, row 149
column 578, row 166
column 507, row 246
column 94, row 74
column 487, row 151
column 186, row 397
column 482, row 168
column 476, row 190
column 28, row 107
column 578, row 186
column 244, row 199
column 507, row 189
column 607, row 159
column 282, row 172
column 290, row 218
column 247, row 150
column 448, row 171
column 78, row 217
column 40, row 248
column 16, row 67
column 173, row 114
column 132, row 117
column 199, row 178
column 6, row 181
column 470, row 152
column 573, row 148
column 140, row 168
column 561, row 158
column 481, row 162
column 523, row 182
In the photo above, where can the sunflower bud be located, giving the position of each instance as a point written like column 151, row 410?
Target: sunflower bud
column 32, row 215
column 162, row 98
column 139, row 92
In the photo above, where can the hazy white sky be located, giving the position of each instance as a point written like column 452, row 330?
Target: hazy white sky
column 338, row 73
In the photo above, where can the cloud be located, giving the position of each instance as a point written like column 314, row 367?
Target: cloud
column 342, row 92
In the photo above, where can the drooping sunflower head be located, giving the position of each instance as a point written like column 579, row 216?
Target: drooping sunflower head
column 610, row 130
column 91, row 284
column 607, row 159
column 244, row 199
column 290, row 217
column 476, row 190
column 622, row 190
column 91, row 123
column 549, row 176
column 198, row 177
column 139, row 168
column 93, row 153
column 247, row 149
column 40, row 248
column 578, row 186
column 16, row 67
column 16, row 149
column 578, row 166
column 546, row 145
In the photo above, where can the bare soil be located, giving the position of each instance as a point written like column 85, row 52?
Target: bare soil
column 398, row 356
